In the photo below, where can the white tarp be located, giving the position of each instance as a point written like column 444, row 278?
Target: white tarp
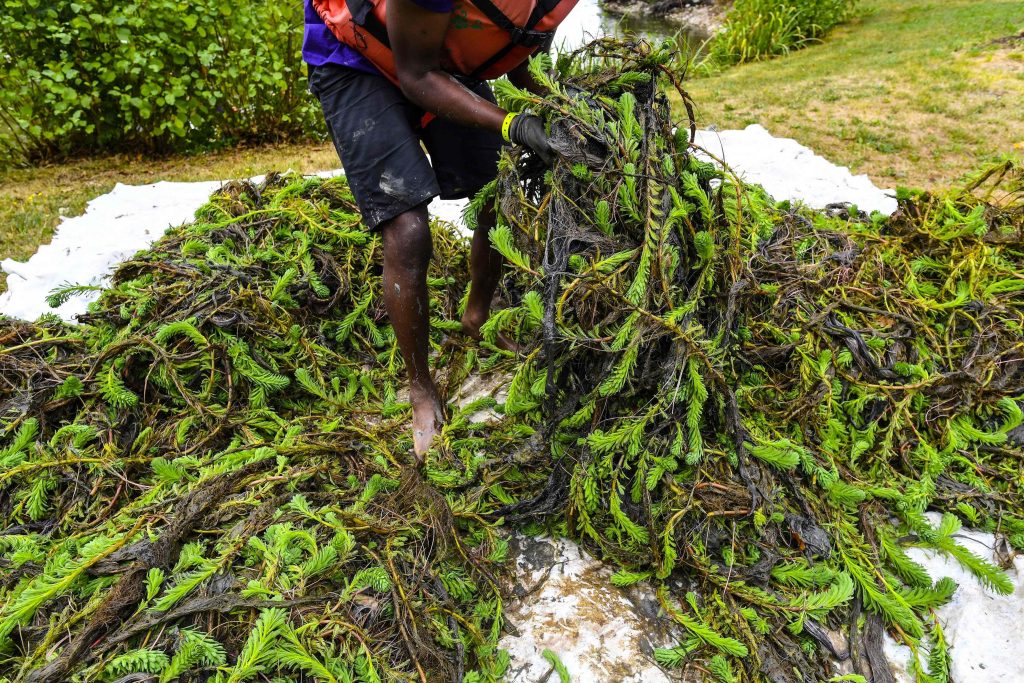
column 982, row 628
column 788, row 170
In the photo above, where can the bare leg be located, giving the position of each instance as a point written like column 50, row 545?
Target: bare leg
column 485, row 266
column 407, row 252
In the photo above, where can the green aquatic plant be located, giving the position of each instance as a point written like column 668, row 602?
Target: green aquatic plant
column 748, row 405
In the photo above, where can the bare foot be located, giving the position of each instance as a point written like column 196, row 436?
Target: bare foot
column 427, row 419
column 471, row 327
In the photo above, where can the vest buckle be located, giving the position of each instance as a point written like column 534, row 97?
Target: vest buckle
column 522, row 37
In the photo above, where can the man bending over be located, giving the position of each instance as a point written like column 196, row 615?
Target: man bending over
column 392, row 74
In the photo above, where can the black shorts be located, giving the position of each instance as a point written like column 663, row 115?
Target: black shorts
column 377, row 133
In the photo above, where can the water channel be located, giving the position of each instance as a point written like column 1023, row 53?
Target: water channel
column 588, row 20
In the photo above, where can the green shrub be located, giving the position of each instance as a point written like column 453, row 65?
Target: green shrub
column 759, row 29
column 94, row 76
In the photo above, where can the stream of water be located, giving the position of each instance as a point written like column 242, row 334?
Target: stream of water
column 588, row 21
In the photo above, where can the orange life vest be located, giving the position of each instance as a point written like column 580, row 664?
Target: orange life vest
column 485, row 39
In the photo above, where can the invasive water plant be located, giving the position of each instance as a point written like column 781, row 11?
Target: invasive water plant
column 747, row 404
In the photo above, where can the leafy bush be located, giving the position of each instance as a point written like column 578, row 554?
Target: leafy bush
column 148, row 75
column 759, row 29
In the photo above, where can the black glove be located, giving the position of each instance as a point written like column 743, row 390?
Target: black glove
column 528, row 130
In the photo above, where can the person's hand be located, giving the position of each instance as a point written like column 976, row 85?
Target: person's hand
column 528, row 130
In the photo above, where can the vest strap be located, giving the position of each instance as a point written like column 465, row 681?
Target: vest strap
column 363, row 16
column 536, row 38
column 520, row 36
column 543, row 8
column 359, row 9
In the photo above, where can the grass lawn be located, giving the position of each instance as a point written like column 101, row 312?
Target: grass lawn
column 913, row 92
column 32, row 201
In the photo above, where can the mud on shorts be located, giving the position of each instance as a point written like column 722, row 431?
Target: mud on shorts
column 377, row 133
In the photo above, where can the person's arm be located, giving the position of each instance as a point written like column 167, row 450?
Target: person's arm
column 417, row 37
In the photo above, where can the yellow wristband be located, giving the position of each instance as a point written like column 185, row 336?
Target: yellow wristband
column 506, row 126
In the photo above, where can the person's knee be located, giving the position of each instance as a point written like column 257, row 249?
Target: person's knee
column 407, row 241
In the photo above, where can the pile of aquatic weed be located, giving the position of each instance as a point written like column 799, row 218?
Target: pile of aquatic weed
column 748, row 405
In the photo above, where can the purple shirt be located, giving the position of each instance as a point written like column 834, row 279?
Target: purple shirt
column 319, row 46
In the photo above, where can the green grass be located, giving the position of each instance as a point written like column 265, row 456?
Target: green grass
column 754, row 30
column 911, row 92
column 32, row 201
